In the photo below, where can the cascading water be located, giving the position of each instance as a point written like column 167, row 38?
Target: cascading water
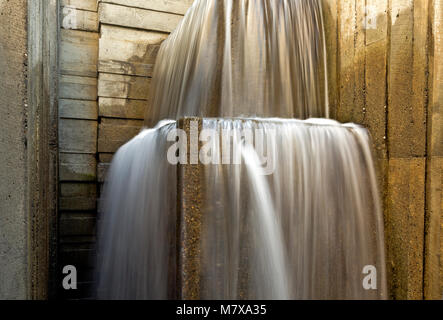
column 290, row 207
column 251, row 58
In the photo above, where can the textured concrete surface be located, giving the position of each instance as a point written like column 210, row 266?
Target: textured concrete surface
column 191, row 205
column 397, row 96
column 405, row 227
column 13, row 220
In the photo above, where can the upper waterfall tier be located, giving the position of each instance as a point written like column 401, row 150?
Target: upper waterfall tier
column 233, row 58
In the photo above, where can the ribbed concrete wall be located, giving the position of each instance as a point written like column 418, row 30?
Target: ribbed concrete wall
column 385, row 73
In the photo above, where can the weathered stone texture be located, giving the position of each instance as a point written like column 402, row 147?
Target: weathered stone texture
column 13, row 219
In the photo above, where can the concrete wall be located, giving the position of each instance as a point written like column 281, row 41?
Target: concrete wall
column 107, row 54
column 131, row 32
column 384, row 60
column 13, row 118
column 78, row 123
column 28, row 203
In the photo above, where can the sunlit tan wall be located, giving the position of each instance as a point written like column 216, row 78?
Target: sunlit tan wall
column 385, row 65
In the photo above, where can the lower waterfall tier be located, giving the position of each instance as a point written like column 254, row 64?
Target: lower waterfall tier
column 243, row 209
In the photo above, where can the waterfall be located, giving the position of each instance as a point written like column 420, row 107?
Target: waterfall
column 290, row 208
column 243, row 58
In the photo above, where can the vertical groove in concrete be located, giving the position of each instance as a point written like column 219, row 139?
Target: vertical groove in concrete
column 42, row 146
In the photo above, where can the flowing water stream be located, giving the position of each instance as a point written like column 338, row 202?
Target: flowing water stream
column 290, row 207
